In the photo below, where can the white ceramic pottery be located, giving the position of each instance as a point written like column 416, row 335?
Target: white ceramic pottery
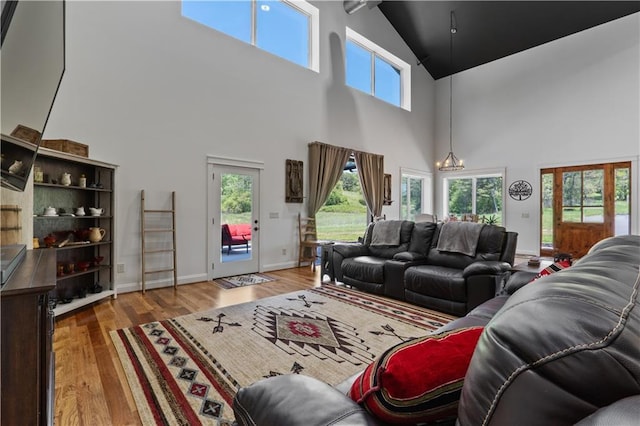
column 96, row 234
column 65, row 179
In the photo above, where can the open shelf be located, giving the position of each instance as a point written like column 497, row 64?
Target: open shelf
column 63, row 308
column 69, row 275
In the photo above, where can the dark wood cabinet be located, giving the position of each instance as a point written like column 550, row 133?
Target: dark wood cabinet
column 27, row 326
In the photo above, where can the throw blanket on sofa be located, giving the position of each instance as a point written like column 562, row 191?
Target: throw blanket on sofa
column 460, row 237
column 386, row 233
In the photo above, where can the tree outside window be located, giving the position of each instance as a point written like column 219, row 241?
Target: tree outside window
column 476, row 195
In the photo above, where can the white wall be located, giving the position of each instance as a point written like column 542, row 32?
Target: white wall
column 571, row 101
column 155, row 93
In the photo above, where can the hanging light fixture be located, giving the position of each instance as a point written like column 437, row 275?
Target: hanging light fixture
column 451, row 162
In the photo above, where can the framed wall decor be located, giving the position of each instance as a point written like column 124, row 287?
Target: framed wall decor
column 387, row 190
column 293, row 181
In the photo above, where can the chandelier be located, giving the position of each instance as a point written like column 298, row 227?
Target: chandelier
column 450, row 162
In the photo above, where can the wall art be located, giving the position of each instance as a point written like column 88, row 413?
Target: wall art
column 520, row 190
column 293, row 181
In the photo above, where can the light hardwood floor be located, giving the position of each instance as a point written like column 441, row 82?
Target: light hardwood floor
column 91, row 388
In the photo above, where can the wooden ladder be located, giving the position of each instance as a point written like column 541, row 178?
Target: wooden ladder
column 144, row 231
column 308, row 247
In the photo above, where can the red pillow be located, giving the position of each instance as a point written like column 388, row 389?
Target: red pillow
column 554, row 267
column 419, row 380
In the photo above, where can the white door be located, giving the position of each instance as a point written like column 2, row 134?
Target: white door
column 234, row 212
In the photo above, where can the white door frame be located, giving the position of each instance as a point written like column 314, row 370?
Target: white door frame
column 214, row 239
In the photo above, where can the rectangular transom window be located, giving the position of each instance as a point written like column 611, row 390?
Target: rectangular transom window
column 286, row 28
column 373, row 70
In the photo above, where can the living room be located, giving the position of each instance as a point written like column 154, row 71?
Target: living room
column 159, row 95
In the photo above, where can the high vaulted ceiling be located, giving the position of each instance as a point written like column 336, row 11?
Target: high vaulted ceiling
column 490, row 30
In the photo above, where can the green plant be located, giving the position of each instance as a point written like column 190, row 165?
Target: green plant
column 490, row 220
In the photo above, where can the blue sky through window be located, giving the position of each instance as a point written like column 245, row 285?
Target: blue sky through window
column 358, row 67
column 283, row 31
column 230, row 17
column 387, row 82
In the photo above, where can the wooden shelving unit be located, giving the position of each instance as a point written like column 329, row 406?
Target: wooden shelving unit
column 78, row 288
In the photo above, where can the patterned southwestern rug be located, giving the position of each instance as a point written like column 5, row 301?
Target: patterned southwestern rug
column 186, row 370
column 243, row 280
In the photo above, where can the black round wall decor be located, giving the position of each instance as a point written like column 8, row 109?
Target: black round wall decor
column 520, row 190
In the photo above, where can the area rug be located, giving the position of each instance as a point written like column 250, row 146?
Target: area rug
column 243, row 280
column 186, row 370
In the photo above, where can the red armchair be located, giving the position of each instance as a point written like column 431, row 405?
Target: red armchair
column 236, row 235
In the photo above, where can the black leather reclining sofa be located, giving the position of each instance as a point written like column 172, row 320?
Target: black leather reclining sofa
column 561, row 350
column 417, row 271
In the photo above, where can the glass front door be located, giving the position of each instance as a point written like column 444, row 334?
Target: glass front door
column 234, row 226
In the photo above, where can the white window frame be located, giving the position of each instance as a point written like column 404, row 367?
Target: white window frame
column 314, row 30
column 405, row 68
column 427, row 188
column 305, row 8
column 474, row 174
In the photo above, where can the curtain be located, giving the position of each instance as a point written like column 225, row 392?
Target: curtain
column 326, row 163
column 371, row 172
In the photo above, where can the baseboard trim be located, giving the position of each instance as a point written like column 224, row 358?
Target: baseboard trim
column 161, row 283
column 278, row 266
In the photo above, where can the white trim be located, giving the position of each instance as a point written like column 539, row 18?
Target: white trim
column 405, row 68
column 480, row 173
column 236, row 162
column 302, row 6
column 159, row 283
column 428, row 189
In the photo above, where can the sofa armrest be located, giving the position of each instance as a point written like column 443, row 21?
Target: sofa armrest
column 394, row 273
column 293, row 399
column 490, row 267
column 350, row 250
column 409, row 256
column 625, row 411
column 345, row 251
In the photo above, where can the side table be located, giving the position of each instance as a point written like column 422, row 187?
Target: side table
column 525, row 267
column 326, row 261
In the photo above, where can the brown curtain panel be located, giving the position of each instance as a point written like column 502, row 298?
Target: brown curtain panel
column 371, row 172
column 326, row 163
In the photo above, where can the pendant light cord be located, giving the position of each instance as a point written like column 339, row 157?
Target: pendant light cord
column 452, row 31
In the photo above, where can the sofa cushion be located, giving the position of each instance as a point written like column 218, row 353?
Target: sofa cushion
column 279, row 400
column 418, row 380
column 489, row 247
column 563, row 348
column 389, row 251
column 421, row 237
column 436, row 281
column 364, row 268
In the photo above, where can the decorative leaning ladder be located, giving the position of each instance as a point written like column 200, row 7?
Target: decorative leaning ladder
column 144, row 231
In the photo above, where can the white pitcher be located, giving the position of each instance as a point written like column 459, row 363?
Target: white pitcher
column 65, row 179
column 94, row 211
